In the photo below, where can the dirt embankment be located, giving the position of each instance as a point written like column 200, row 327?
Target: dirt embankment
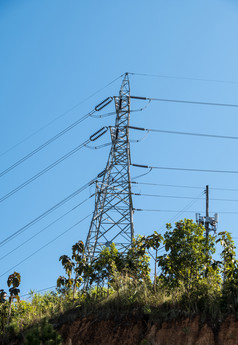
column 139, row 332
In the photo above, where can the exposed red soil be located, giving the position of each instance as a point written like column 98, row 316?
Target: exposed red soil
column 130, row 331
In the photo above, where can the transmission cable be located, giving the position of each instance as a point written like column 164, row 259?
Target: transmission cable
column 179, row 197
column 46, row 227
column 41, row 290
column 186, row 169
column 184, row 101
column 170, row 196
column 186, row 207
column 227, row 189
column 93, row 137
column 184, row 78
column 47, row 244
column 39, row 148
column 177, row 211
column 45, row 144
column 182, row 186
column 166, row 185
column 61, row 115
column 184, row 133
column 46, row 213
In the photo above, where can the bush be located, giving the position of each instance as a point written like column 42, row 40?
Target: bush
column 42, row 334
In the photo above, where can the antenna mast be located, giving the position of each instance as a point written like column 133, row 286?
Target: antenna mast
column 112, row 220
column 210, row 223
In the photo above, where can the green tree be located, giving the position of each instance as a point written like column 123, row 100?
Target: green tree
column 188, row 263
column 112, row 266
column 229, row 267
column 74, row 268
column 137, row 260
column 106, row 265
column 13, row 283
column 153, row 242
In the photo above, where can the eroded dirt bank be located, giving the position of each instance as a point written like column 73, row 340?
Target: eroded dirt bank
column 129, row 331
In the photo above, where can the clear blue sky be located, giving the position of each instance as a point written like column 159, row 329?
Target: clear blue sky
column 54, row 54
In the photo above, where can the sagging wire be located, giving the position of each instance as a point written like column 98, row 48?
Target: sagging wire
column 186, row 169
column 46, row 245
column 185, row 101
column 93, row 137
column 61, row 115
column 38, row 291
column 46, row 227
column 216, row 136
column 108, row 144
column 169, row 185
column 57, row 136
column 136, row 177
column 185, row 208
column 97, row 147
column 176, row 196
column 103, row 115
column 142, row 108
column 139, row 140
column 47, row 212
column 183, row 78
column 114, row 112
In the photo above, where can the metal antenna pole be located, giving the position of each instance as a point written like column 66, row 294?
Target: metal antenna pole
column 207, row 212
column 112, row 220
column 210, row 223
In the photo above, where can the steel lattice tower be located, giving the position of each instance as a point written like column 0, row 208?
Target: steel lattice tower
column 112, row 219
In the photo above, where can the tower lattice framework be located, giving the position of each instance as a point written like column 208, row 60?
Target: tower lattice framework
column 112, row 220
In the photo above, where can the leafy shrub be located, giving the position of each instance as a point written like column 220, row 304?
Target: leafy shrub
column 42, row 334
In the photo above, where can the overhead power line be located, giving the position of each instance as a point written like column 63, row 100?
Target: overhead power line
column 44, row 246
column 185, row 101
column 182, row 186
column 46, row 227
column 46, row 213
column 184, row 209
column 61, row 115
column 185, row 78
column 186, row 169
column 179, row 197
column 177, row 211
column 51, row 140
column 228, row 189
column 166, row 196
column 41, row 290
column 93, row 137
column 167, row 185
column 45, row 144
column 184, row 133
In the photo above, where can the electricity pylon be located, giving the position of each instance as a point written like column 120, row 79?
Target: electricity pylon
column 112, row 220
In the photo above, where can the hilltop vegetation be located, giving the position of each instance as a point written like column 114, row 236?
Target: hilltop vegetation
column 189, row 282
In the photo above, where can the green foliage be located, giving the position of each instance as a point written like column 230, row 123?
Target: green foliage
column 189, row 256
column 137, row 261
column 229, row 269
column 42, row 334
column 104, row 268
column 73, row 266
column 13, row 282
column 188, row 265
column 153, row 241
column 111, row 267
column 229, row 263
column 190, row 281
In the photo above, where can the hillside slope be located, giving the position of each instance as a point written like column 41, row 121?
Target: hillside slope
column 131, row 331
